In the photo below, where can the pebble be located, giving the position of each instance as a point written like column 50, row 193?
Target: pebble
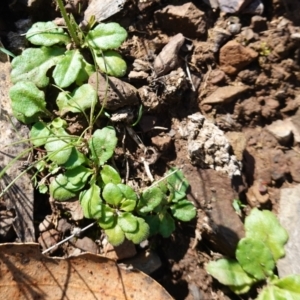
column 87, row 245
column 289, row 218
column 234, row 57
column 282, row 130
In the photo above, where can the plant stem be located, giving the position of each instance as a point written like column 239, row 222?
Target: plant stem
column 68, row 22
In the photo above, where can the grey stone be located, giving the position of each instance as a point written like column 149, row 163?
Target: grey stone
column 289, row 217
column 282, row 130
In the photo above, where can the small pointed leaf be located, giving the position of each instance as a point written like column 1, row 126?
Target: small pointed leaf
column 46, row 34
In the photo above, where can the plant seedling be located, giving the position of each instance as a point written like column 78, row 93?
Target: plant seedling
column 257, row 255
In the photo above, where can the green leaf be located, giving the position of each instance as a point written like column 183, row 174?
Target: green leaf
column 108, row 218
column 290, row 283
column 33, row 64
column 109, row 174
column 102, row 144
column 39, row 134
column 46, row 34
column 264, row 226
column 273, row 292
column 59, row 123
column 106, row 36
column 81, row 99
column 115, row 235
column 67, row 69
column 150, row 198
column 255, row 258
column 78, row 175
column 58, row 150
column 177, row 182
column 140, row 234
column 127, row 222
column 127, row 191
column 153, row 222
column 111, row 63
column 112, row 194
column 27, row 102
column 61, row 189
column 242, row 289
column 229, row 272
column 166, row 225
column 183, row 210
column 128, row 205
column 75, row 159
column 84, row 73
column 91, row 202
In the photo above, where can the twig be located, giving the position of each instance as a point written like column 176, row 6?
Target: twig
column 76, row 232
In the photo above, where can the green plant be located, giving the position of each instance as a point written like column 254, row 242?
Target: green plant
column 256, row 256
column 69, row 166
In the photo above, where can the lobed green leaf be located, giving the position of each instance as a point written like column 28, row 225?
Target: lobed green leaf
column 140, row 234
column 112, row 194
column 91, row 202
column 264, row 226
column 150, row 199
column 34, row 63
column 115, row 235
column 109, row 174
column 255, row 258
column 27, row 102
column 183, row 210
column 39, row 134
column 127, row 222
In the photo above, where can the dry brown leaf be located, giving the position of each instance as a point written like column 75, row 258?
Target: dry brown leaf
column 27, row 274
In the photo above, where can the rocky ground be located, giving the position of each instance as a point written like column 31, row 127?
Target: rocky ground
column 220, row 85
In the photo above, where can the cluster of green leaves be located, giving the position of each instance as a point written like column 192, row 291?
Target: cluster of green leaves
column 256, row 257
column 30, row 70
column 79, row 165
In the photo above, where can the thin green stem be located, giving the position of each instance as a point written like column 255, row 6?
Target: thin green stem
column 68, row 22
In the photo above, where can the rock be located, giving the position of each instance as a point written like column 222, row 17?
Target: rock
column 141, row 75
column 87, row 245
column 46, row 224
column 256, row 7
column 238, row 143
column 167, row 60
column 48, row 239
column 125, row 250
column 217, row 76
column 257, row 194
column 218, row 37
column 208, row 146
column 162, row 142
column 282, row 130
column 215, row 190
column 244, row 6
column 6, row 226
column 63, row 226
column 116, row 93
column 73, row 207
column 146, row 261
column 258, row 23
column 186, row 19
column 278, row 163
column 224, row 94
column 269, row 108
column 289, row 218
column 102, row 9
column 295, row 120
column 234, row 57
column 293, row 159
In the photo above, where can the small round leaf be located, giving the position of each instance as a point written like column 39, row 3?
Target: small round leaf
column 115, row 235
column 112, row 194
column 127, row 222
